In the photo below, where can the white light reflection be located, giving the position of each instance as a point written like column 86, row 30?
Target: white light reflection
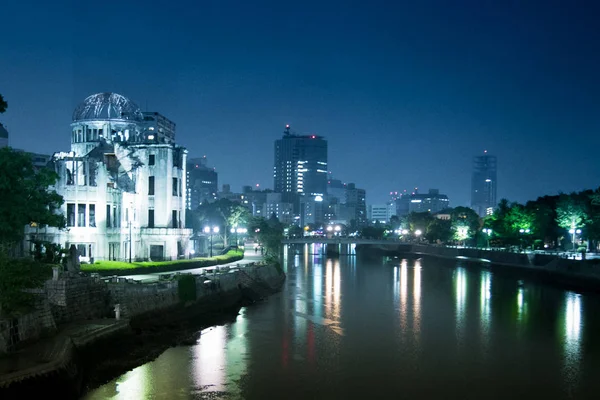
column 572, row 338
column 237, row 353
column 337, row 280
column 417, row 300
column 461, row 299
column 485, row 299
column 209, row 359
column 520, row 305
column 328, row 289
column 403, row 292
column 134, row 384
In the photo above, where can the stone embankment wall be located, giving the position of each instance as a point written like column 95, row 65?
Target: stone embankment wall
column 76, row 297
column 135, row 299
column 581, row 273
column 29, row 326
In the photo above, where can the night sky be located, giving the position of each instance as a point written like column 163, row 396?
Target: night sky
column 406, row 94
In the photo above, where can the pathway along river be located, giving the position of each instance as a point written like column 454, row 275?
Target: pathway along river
column 367, row 328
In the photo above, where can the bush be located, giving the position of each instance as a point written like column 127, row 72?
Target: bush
column 148, row 267
column 17, row 275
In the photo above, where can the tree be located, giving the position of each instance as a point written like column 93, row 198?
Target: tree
column 224, row 213
column 465, row 224
column 570, row 213
column 3, row 104
column 269, row 234
column 439, row 230
column 419, row 221
column 26, row 197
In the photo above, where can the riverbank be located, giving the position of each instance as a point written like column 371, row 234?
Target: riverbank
column 574, row 274
column 159, row 315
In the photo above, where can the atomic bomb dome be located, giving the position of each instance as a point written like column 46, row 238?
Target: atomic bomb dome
column 107, row 106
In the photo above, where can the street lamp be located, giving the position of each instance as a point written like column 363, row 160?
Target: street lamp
column 337, row 229
column 574, row 232
column 418, row 233
column 522, row 231
column 488, row 231
column 208, row 230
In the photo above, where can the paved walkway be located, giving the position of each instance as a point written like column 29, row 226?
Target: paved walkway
column 54, row 352
column 250, row 256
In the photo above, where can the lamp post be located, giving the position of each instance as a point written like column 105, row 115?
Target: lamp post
column 488, row 232
column 574, row 232
column 211, row 231
column 523, row 231
column 418, row 233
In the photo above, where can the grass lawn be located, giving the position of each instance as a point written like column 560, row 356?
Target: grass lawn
column 146, row 267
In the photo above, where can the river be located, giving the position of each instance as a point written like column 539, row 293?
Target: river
column 377, row 327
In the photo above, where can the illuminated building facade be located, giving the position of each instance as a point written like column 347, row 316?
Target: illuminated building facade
column 484, row 184
column 123, row 184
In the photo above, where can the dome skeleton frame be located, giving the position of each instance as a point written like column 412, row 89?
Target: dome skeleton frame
column 103, row 106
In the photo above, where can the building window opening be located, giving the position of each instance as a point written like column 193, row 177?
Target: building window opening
column 151, row 186
column 151, row 159
column 150, row 218
column 93, row 215
column 175, row 186
column 81, row 215
column 81, row 250
column 70, row 214
column 108, row 224
column 175, row 223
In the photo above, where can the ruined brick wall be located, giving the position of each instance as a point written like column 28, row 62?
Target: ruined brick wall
column 77, row 297
column 135, row 299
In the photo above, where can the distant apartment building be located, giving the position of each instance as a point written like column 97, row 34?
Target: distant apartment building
column 432, row 202
column 202, row 183
column 484, row 184
column 300, row 167
column 380, row 213
column 356, row 198
column 273, row 205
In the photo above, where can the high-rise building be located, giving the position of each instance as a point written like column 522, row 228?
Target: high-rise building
column 484, row 184
column 202, row 183
column 300, row 168
column 356, row 198
column 336, row 190
column 432, row 202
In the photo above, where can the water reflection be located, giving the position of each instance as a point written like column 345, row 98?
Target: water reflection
column 485, row 300
column 208, row 367
column 572, row 337
column 460, row 283
column 403, row 283
column 417, row 300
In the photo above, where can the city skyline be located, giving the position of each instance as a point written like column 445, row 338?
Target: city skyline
column 400, row 91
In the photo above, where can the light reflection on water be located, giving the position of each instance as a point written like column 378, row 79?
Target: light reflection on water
column 393, row 325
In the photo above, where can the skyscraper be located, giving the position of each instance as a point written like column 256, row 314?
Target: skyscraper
column 484, row 184
column 202, row 183
column 300, row 168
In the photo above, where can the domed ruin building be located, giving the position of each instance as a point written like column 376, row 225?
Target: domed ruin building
column 123, row 183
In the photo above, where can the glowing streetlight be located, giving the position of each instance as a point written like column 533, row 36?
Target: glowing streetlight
column 208, row 230
column 488, row 232
column 418, row 233
column 405, row 231
column 523, row 231
column 338, row 228
column 574, row 232
column 329, row 228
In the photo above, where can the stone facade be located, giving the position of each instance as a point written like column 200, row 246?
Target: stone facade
column 27, row 327
column 77, row 297
column 123, row 183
